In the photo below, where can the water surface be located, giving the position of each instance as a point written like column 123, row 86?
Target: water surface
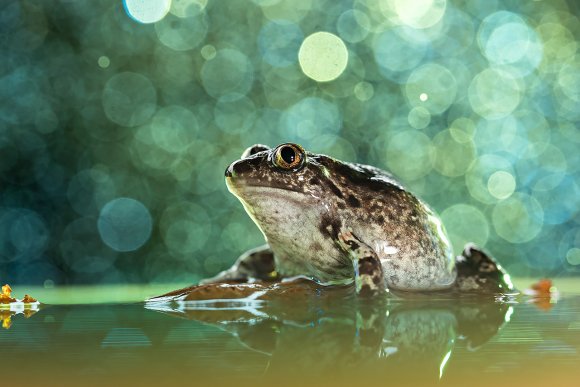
column 305, row 339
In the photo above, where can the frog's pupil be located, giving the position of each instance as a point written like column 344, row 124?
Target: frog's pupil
column 288, row 154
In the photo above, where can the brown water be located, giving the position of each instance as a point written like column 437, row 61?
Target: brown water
column 306, row 339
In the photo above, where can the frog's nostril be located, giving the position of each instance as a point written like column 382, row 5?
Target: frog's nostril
column 230, row 171
column 235, row 169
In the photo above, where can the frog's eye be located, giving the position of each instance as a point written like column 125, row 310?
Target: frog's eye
column 289, row 156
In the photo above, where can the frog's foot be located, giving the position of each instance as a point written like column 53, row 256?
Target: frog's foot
column 368, row 270
column 257, row 264
column 479, row 272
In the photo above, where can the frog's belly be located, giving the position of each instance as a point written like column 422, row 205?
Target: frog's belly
column 418, row 273
column 324, row 265
column 401, row 274
column 403, row 269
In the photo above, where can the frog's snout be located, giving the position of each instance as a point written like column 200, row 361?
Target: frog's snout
column 235, row 169
column 229, row 174
column 243, row 167
column 230, row 170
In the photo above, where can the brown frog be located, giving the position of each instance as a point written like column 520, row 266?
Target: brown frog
column 337, row 222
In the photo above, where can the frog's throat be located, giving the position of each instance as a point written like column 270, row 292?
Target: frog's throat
column 249, row 210
column 248, row 194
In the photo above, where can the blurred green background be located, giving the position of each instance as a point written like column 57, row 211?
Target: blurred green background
column 118, row 119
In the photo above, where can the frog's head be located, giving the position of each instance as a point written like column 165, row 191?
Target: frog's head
column 283, row 189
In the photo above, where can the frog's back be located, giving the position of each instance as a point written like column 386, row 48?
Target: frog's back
column 404, row 232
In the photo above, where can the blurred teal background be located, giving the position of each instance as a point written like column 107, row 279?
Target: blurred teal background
column 118, row 119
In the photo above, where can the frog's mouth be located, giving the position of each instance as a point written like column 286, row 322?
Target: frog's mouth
column 256, row 197
column 239, row 185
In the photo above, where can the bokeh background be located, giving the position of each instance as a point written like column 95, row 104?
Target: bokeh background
column 118, row 119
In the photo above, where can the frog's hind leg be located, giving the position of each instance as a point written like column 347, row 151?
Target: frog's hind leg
column 257, row 263
column 480, row 273
column 368, row 270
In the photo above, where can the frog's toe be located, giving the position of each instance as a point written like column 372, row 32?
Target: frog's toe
column 479, row 272
column 369, row 281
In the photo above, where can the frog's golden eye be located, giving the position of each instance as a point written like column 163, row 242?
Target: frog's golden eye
column 289, row 156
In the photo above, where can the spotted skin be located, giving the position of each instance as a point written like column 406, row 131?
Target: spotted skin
column 257, row 264
column 369, row 278
column 479, row 272
column 310, row 212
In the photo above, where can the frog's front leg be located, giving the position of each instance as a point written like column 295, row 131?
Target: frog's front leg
column 257, row 263
column 369, row 279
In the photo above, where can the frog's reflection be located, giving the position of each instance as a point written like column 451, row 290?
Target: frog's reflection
column 330, row 331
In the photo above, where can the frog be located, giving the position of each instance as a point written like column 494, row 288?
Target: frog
column 337, row 222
